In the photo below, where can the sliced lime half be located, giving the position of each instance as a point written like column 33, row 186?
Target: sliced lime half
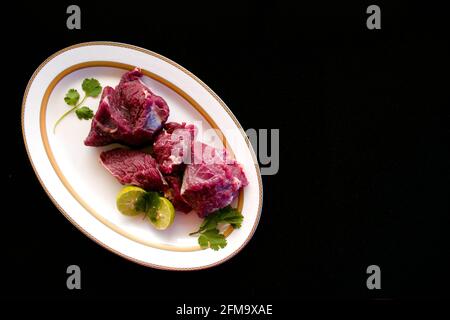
column 127, row 198
column 164, row 215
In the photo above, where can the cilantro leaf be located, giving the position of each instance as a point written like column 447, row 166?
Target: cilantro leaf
column 231, row 216
column 141, row 203
column 91, row 87
column 209, row 223
column 148, row 202
column 212, row 239
column 225, row 215
column 152, row 205
column 72, row 97
column 84, row 113
column 209, row 235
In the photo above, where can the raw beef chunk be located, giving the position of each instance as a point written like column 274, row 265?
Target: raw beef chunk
column 130, row 114
column 212, row 181
column 133, row 167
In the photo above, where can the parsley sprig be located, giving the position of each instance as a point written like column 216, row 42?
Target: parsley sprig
column 91, row 88
column 209, row 235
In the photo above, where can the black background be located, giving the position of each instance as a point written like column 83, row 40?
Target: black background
column 364, row 172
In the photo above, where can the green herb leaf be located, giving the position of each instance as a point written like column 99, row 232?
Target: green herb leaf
column 141, row 203
column 225, row 215
column 148, row 202
column 84, row 113
column 209, row 233
column 91, row 87
column 212, row 239
column 72, row 97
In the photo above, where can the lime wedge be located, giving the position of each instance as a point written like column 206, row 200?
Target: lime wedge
column 127, row 198
column 164, row 216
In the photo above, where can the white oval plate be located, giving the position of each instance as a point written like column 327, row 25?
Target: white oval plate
column 85, row 192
